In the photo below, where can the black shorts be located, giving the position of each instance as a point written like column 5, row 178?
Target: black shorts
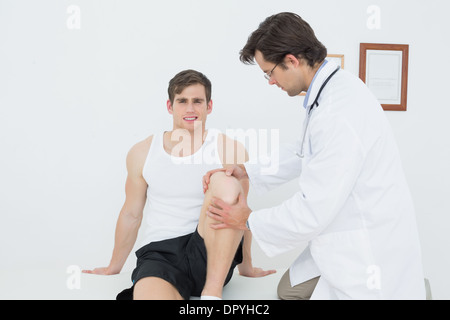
column 180, row 261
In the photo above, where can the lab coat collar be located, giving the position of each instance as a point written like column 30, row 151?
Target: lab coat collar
column 325, row 70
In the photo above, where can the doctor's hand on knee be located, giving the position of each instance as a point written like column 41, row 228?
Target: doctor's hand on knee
column 237, row 171
column 229, row 216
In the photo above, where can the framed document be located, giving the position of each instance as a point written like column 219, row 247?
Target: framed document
column 384, row 69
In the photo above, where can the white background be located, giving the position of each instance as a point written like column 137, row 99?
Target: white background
column 73, row 102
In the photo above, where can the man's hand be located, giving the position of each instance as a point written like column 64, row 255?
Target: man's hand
column 101, row 271
column 251, row 272
column 237, row 171
column 229, row 216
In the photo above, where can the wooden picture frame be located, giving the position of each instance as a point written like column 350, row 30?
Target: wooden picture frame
column 337, row 58
column 384, row 69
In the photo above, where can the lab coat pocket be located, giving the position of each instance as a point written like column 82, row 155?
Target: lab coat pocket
column 346, row 262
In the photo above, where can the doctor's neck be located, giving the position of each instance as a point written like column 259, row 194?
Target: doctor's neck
column 311, row 72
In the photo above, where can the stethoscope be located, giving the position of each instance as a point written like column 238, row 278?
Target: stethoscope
column 313, row 106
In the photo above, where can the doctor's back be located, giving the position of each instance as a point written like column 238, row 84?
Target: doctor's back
column 378, row 216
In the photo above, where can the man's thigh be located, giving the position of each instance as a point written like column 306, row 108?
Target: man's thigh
column 153, row 288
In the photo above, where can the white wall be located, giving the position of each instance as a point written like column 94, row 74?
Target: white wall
column 72, row 103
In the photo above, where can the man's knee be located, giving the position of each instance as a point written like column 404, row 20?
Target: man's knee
column 224, row 187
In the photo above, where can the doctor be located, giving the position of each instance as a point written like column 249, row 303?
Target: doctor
column 353, row 207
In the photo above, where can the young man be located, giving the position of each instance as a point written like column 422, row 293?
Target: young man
column 353, row 207
column 182, row 255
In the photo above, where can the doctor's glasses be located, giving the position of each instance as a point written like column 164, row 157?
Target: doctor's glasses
column 268, row 75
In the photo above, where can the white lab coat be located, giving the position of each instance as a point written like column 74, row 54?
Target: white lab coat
column 353, row 207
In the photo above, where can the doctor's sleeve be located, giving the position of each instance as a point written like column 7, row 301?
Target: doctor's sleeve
column 283, row 166
column 326, row 181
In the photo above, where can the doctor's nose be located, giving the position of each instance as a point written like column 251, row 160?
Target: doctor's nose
column 272, row 81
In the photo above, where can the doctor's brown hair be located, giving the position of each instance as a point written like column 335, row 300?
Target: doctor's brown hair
column 282, row 34
column 188, row 78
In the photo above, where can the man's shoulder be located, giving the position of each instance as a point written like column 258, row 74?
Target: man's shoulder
column 138, row 153
column 222, row 137
column 231, row 151
column 142, row 146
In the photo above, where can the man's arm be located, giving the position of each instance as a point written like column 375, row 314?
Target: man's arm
column 130, row 216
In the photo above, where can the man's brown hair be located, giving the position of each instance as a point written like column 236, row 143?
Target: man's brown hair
column 188, row 78
column 282, row 34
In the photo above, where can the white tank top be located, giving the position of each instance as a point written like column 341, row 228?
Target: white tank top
column 175, row 191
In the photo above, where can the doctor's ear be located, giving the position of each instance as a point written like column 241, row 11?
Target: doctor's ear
column 290, row 59
column 169, row 107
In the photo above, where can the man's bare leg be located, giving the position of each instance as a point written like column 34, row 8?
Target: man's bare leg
column 153, row 288
column 221, row 245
